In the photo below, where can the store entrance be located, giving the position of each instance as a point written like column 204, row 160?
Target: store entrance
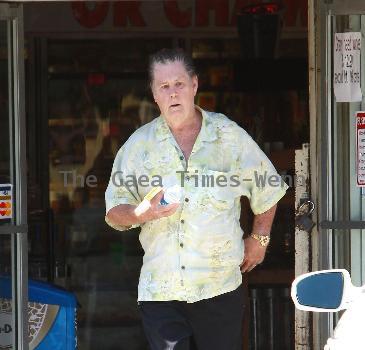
column 87, row 93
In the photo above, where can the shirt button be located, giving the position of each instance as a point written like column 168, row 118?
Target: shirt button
column 183, row 267
column 181, row 245
column 186, row 199
column 182, row 221
column 181, row 157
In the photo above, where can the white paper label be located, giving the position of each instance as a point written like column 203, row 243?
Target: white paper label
column 346, row 67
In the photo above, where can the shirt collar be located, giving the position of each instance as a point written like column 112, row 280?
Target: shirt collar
column 207, row 132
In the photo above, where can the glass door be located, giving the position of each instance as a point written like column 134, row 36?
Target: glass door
column 13, row 228
column 90, row 95
column 348, row 199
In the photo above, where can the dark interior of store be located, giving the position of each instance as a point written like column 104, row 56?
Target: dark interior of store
column 85, row 95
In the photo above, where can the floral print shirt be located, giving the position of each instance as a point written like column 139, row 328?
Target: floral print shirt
column 195, row 253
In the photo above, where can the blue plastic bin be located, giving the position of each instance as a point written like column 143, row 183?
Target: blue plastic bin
column 51, row 316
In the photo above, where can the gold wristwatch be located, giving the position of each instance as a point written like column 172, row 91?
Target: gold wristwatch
column 263, row 239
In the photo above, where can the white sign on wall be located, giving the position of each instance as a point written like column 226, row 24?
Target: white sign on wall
column 346, row 67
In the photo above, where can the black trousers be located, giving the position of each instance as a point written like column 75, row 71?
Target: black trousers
column 209, row 324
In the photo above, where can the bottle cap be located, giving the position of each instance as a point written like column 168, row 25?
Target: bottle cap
column 171, row 195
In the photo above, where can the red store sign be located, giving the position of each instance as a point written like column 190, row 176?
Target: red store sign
column 180, row 14
column 153, row 16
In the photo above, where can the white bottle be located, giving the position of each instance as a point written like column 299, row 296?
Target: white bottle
column 171, row 195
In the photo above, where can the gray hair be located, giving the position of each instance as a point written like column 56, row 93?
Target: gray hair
column 170, row 55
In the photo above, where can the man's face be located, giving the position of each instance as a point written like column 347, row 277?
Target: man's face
column 174, row 90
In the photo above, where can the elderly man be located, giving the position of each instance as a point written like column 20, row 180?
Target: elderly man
column 190, row 285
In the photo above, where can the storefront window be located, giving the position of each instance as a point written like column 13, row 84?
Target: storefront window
column 96, row 96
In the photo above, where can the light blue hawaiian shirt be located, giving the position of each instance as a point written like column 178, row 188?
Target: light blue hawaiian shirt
column 195, row 253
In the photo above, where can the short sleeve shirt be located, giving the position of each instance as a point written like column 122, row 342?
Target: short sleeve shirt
column 195, row 253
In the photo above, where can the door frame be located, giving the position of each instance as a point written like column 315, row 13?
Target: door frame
column 320, row 108
column 13, row 14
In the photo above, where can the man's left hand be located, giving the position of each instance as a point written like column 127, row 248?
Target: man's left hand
column 254, row 254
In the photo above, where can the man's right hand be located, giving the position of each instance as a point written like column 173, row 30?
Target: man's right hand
column 124, row 214
column 157, row 211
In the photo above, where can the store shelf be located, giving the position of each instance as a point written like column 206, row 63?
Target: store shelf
column 271, row 74
column 108, row 76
